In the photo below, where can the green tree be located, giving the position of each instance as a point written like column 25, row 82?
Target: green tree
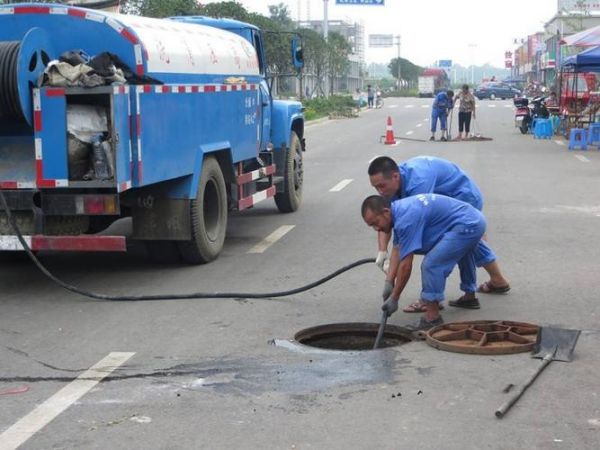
column 228, row 9
column 408, row 70
column 314, row 48
column 338, row 50
column 281, row 14
column 160, row 8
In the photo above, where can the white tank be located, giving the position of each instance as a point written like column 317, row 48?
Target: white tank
column 184, row 48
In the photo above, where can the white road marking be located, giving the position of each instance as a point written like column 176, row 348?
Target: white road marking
column 261, row 247
column 43, row 414
column 419, row 125
column 408, row 133
column 424, row 106
column 341, row 185
column 491, row 106
column 560, row 143
column 409, row 106
column 392, row 106
column 582, row 158
column 425, row 120
column 508, row 106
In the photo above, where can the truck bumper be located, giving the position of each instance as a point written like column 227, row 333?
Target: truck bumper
column 66, row 243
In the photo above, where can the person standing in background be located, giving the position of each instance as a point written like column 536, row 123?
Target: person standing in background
column 466, row 110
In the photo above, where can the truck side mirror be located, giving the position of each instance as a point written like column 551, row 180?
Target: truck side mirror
column 297, row 55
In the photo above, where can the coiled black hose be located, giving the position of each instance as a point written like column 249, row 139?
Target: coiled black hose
column 10, row 105
column 194, row 295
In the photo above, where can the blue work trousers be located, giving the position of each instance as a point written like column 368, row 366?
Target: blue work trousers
column 457, row 246
column 438, row 113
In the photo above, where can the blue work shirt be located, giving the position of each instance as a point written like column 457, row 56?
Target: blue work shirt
column 442, row 102
column 428, row 174
column 420, row 221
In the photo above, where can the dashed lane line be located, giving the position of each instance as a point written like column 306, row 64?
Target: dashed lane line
column 43, row 414
column 419, row 125
column 409, row 106
column 408, row 133
column 392, row 106
column 582, row 158
column 424, row 106
column 341, row 185
column 491, row 106
column 261, row 247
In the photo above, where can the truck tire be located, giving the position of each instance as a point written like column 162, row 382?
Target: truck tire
column 208, row 213
column 492, row 96
column 289, row 200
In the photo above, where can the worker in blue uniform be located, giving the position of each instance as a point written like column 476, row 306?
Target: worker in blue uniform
column 427, row 174
column 445, row 230
column 442, row 104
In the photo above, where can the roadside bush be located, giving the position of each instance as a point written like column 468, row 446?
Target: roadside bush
column 324, row 106
column 402, row 93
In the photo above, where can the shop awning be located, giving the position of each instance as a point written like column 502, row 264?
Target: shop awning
column 586, row 61
column 585, row 38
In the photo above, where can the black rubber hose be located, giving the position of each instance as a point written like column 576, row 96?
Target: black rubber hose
column 10, row 106
column 194, row 295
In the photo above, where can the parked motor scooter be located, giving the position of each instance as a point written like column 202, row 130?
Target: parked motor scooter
column 527, row 111
column 378, row 100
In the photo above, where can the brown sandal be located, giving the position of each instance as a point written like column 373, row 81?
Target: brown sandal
column 489, row 288
column 418, row 307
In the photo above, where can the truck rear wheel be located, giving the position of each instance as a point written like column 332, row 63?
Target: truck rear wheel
column 289, row 200
column 208, row 213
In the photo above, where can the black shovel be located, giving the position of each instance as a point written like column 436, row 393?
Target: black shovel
column 553, row 344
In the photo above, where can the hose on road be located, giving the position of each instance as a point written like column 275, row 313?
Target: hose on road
column 193, row 295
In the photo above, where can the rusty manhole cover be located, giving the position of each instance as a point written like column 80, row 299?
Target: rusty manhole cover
column 351, row 336
column 484, row 337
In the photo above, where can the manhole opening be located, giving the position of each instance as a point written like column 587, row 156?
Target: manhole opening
column 351, row 336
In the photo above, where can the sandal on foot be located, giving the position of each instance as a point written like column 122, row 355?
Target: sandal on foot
column 423, row 324
column 465, row 303
column 489, row 288
column 418, row 307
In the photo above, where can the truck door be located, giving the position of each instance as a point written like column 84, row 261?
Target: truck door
column 264, row 100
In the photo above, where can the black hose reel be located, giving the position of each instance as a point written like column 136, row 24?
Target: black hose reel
column 22, row 64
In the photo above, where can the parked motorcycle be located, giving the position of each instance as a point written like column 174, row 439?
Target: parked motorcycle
column 378, row 100
column 526, row 111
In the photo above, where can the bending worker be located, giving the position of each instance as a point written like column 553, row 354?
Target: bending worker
column 445, row 230
column 428, row 174
column 442, row 103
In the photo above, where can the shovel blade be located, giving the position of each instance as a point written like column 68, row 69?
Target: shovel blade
column 559, row 341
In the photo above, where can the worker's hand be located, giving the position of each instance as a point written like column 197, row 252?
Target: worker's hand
column 388, row 287
column 390, row 306
column 382, row 257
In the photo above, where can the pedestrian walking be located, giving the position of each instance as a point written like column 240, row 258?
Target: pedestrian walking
column 424, row 175
column 442, row 104
column 446, row 231
column 466, row 111
column 370, row 96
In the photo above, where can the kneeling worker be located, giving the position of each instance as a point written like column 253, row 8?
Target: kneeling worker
column 445, row 230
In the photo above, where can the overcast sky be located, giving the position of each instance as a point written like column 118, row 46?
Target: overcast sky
column 435, row 29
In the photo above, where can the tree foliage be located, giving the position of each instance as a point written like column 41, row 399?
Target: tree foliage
column 408, row 70
column 338, row 50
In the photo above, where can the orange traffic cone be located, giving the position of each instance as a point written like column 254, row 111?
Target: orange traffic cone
column 389, row 133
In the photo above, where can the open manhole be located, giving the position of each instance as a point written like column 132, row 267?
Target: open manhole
column 351, row 336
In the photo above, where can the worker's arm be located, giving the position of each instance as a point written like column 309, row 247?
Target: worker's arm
column 383, row 240
column 402, row 275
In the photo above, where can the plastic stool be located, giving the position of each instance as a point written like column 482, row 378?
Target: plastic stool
column 543, row 129
column 593, row 133
column 532, row 126
column 578, row 138
column 555, row 123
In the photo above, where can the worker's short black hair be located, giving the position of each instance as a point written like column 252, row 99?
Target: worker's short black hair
column 383, row 165
column 465, row 87
column 450, row 93
column 375, row 203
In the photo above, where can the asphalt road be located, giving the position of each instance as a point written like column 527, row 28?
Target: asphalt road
column 205, row 374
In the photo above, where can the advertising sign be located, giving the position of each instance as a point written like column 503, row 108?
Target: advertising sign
column 381, row 40
column 579, row 5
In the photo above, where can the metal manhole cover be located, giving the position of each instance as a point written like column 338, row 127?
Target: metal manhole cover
column 351, row 336
column 484, row 337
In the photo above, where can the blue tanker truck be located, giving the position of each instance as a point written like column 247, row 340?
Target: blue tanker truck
column 170, row 122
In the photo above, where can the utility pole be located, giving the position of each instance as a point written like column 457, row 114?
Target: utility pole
column 397, row 37
column 325, row 19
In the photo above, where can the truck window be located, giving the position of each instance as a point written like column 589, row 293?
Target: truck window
column 256, row 41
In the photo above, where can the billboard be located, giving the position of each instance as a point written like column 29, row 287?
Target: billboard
column 578, row 5
column 381, row 40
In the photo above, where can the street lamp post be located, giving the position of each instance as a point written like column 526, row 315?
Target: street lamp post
column 325, row 19
column 397, row 37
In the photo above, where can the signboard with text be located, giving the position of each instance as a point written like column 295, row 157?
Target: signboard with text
column 579, row 5
column 360, row 2
column 381, row 40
